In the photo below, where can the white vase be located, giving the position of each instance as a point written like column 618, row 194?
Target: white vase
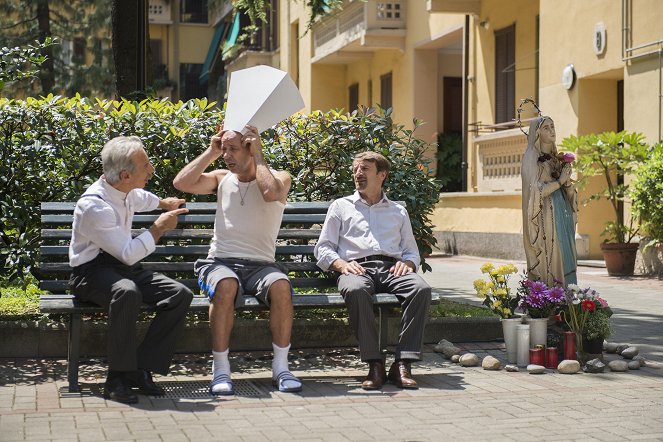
column 510, row 338
column 522, row 358
column 538, row 331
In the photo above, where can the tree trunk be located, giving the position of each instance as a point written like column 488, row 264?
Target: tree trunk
column 129, row 29
column 47, row 70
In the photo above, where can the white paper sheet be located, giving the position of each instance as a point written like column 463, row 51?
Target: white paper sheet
column 260, row 96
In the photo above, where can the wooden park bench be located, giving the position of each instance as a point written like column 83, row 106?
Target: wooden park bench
column 174, row 257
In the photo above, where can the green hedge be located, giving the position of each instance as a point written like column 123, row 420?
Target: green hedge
column 49, row 151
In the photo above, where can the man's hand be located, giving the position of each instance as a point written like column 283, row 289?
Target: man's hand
column 171, row 203
column 252, row 140
column 215, row 142
column 348, row 268
column 402, row 268
column 166, row 221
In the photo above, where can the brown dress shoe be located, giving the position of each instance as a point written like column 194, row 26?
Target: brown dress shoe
column 376, row 376
column 400, row 376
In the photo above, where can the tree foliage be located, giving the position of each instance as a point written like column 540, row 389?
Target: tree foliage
column 21, row 63
column 647, row 194
column 75, row 24
column 49, row 151
column 610, row 155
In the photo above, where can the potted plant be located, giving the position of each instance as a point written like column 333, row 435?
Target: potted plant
column 497, row 296
column 646, row 191
column 613, row 156
column 588, row 316
column 539, row 301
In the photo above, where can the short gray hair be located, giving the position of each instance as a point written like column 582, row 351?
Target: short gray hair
column 116, row 157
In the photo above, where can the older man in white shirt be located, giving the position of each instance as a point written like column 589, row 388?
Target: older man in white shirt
column 107, row 272
column 368, row 239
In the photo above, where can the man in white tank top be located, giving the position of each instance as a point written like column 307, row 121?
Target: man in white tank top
column 250, row 202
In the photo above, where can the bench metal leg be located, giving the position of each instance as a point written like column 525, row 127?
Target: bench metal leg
column 384, row 328
column 74, row 348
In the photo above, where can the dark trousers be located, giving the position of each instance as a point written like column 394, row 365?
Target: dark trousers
column 122, row 289
column 411, row 290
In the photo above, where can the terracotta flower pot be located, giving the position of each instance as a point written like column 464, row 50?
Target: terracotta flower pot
column 619, row 258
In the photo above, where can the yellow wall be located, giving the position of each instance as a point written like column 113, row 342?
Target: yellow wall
column 479, row 213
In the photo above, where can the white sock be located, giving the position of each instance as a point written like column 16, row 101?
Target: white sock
column 280, row 361
column 220, row 363
column 220, row 366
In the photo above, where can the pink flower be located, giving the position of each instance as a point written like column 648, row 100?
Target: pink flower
column 566, row 157
column 603, row 302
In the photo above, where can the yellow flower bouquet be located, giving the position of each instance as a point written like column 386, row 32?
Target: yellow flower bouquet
column 495, row 291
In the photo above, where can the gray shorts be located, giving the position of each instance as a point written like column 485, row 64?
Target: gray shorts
column 253, row 277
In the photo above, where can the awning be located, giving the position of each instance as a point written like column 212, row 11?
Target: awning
column 232, row 35
column 211, row 52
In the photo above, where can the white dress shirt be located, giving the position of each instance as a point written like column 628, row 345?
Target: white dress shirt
column 105, row 224
column 353, row 229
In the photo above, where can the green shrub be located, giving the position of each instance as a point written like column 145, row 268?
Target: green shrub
column 49, row 151
column 647, row 194
column 19, row 303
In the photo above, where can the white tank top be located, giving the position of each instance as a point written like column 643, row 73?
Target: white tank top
column 247, row 230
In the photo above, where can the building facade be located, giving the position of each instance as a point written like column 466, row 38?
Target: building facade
column 462, row 66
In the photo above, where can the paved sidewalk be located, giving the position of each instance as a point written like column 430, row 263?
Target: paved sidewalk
column 453, row 402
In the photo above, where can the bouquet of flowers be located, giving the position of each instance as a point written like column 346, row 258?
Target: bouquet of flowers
column 539, row 300
column 586, row 314
column 496, row 292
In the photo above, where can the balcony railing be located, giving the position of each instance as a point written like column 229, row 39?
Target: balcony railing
column 499, row 156
column 360, row 27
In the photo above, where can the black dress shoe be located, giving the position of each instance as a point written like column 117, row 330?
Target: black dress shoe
column 118, row 389
column 376, row 376
column 143, row 380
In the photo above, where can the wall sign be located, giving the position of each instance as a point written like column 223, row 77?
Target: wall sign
column 599, row 38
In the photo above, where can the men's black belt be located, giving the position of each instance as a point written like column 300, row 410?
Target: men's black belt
column 383, row 258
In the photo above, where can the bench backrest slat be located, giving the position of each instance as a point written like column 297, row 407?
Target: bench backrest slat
column 179, row 248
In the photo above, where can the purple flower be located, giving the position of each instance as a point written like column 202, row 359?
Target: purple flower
column 555, row 294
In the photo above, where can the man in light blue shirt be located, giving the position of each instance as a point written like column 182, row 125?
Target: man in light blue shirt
column 368, row 239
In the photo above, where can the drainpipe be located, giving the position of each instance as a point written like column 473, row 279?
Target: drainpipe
column 466, row 73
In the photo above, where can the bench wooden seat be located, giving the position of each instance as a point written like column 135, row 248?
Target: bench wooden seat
column 175, row 255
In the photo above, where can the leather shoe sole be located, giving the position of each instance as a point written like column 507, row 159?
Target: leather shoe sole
column 146, row 385
column 124, row 396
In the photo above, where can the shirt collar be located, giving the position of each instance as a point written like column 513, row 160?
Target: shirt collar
column 355, row 198
column 112, row 192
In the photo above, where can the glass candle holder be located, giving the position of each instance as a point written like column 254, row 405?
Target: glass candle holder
column 536, row 356
column 569, row 345
column 551, row 357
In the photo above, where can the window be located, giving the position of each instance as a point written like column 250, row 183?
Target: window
column 385, row 91
column 193, row 11
column 190, row 86
column 78, row 55
column 505, row 74
column 353, row 97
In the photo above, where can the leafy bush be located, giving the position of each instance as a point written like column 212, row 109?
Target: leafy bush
column 19, row 303
column 49, row 151
column 606, row 154
column 647, row 194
